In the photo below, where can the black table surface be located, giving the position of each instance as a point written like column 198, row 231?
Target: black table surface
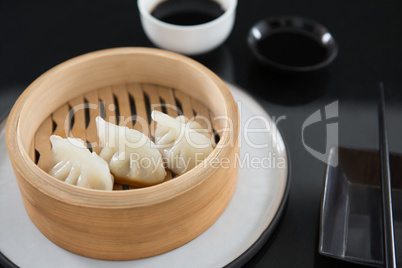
column 37, row 35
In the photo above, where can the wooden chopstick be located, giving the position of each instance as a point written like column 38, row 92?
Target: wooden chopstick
column 387, row 215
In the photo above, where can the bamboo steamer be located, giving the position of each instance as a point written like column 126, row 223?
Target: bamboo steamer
column 127, row 223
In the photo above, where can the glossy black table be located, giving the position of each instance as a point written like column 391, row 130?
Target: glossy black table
column 37, row 35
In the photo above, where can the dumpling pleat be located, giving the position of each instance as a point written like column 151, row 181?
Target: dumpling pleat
column 61, row 170
column 167, row 139
column 73, row 176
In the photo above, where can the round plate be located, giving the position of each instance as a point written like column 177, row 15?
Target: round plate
column 242, row 229
column 294, row 28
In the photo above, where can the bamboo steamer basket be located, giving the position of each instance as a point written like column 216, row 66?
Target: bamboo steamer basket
column 126, row 223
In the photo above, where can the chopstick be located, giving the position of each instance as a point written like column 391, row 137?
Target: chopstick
column 387, row 215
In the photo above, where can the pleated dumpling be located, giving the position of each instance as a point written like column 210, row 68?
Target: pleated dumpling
column 75, row 164
column 132, row 157
column 181, row 145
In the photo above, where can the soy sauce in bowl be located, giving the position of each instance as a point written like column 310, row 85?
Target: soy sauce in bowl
column 292, row 44
column 292, row 49
column 187, row 12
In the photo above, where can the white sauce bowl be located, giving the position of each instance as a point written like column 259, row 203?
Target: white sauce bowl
column 188, row 40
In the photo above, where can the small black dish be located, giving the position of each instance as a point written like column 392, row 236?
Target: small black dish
column 292, row 44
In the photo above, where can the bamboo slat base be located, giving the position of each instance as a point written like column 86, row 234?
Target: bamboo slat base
column 127, row 105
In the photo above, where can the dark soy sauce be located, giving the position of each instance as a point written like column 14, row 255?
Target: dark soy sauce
column 292, row 49
column 187, row 12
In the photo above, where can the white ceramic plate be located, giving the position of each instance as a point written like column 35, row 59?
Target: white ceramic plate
column 246, row 223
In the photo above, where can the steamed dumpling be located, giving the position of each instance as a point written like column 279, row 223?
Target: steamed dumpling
column 180, row 143
column 132, row 157
column 75, row 164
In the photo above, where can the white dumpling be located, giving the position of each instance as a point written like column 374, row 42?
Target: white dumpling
column 180, row 143
column 75, row 164
column 193, row 125
column 132, row 157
